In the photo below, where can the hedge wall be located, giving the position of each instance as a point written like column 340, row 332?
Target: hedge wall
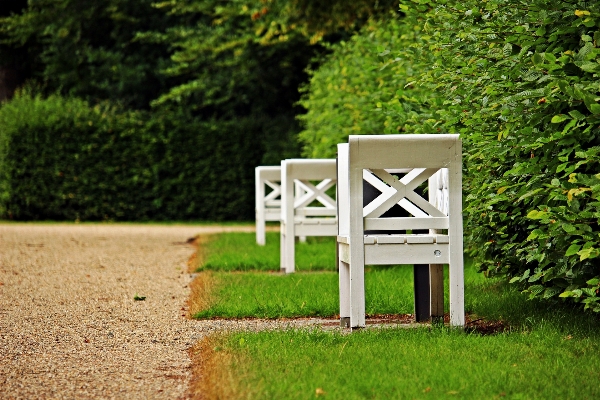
column 61, row 159
column 519, row 81
column 359, row 89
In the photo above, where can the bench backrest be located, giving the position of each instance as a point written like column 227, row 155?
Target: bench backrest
column 414, row 159
column 298, row 176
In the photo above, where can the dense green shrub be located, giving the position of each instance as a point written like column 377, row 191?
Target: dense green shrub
column 520, row 83
column 359, row 89
column 62, row 159
column 205, row 169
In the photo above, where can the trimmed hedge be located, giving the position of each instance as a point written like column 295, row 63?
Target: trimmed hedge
column 358, row 89
column 519, row 82
column 61, row 159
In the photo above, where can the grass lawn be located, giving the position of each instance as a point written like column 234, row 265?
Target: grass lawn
column 549, row 350
column 547, row 353
column 304, row 294
column 540, row 362
column 239, row 252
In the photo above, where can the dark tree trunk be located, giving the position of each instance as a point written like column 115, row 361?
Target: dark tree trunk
column 9, row 80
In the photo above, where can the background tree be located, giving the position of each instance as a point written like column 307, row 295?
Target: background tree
column 12, row 71
column 209, row 88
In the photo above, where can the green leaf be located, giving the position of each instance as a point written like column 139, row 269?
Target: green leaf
column 593, row 282
column 565, row 88
column 573, row 249
column 587, row 253
column 537, row 59
column 568, row 228
column 536, row 289
column 594, row 108
column 536, row 214
column 528, row 194
column 550, row 57
column 559, row 118
column 577, row 115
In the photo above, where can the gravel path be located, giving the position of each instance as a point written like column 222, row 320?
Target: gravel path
column 69, row 325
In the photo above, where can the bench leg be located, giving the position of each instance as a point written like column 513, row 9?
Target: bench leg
column 457, row 294
column 436, row 280
column 282, row 258
column 260, row 230
column 344, row 277
column 357, row 295
column 288, row 262
column 421, row 287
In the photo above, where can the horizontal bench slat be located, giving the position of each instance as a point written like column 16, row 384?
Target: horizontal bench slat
column 399, row 224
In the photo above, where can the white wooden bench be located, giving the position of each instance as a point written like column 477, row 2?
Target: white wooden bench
column 267, row 206
column 415, row 159
column 306, row 208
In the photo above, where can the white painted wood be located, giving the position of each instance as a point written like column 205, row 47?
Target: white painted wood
column 455, row 232
column 267, row 207
column 344, row 279
column 300, row 216
column 416, row 159
column 438, row 196
column 398, row 224
column 343, row 196
column 391, row 239
column 315, row 230
column 356, row 237
column 422, row 253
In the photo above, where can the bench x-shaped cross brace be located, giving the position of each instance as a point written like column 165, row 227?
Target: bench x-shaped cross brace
column 271, row 197
column 401, row 192
column 315, row 193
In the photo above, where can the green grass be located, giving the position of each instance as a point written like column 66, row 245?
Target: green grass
column 539, row 363
column 550, row 352
column 239, row 252
column 305, row 294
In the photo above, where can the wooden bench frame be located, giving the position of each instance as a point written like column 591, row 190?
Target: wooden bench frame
column 372, row 158
column 298, row 217
column 267, row 206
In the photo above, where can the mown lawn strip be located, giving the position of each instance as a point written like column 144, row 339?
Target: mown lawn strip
column 303, row 294
column 545, row 353
column 238, row 251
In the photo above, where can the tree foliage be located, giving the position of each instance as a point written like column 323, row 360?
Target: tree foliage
column 86, row 48
column 360, row 89
column 202, row 91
